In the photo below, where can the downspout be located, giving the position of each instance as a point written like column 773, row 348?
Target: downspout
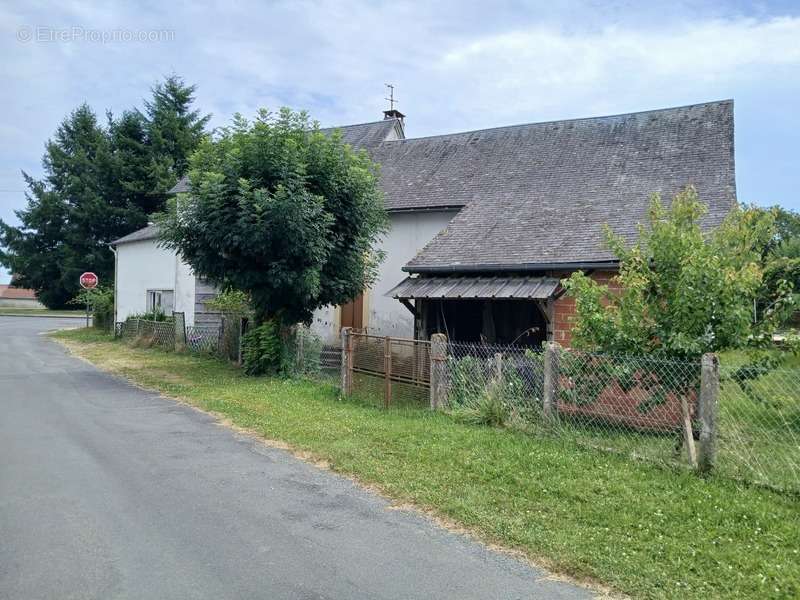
column 116, row 265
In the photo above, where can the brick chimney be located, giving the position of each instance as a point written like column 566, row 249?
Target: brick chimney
column 393, row 113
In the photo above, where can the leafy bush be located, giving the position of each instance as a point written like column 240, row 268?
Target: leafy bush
column 264, row 351
column 153, row 315
column 680, row 291
column 230, row 302
column 101, row 302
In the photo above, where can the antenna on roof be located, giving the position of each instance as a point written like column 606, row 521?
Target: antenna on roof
column 392, row 113
column 391, row 95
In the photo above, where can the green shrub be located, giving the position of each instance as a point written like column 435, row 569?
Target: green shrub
column 153, row 315
column 490, row 408
column 101, row 302
column 264, row 351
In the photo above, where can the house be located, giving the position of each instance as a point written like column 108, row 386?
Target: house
column 484, row 224
column 15, row 297
column 149, row 277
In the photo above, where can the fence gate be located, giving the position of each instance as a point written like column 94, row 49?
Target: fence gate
column 394, row 369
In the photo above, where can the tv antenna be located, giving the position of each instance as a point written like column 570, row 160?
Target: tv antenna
column 391, row 96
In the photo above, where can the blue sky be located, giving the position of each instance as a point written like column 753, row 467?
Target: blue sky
column 457, row 65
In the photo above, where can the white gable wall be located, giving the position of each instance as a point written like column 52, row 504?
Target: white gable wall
column 143, row 266
column 409, row 233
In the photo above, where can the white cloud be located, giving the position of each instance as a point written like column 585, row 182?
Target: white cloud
column 457, row 65
column 546, row 69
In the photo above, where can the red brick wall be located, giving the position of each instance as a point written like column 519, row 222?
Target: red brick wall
column 564, row 309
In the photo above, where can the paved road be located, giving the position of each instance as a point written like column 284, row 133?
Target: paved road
column 108, row 491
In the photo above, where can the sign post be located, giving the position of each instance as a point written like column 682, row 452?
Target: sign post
column 88, row 281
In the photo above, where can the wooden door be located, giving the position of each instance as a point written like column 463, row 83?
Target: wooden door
column 352, row 313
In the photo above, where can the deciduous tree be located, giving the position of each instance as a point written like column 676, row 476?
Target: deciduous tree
column 682, row 291
column 283, row 212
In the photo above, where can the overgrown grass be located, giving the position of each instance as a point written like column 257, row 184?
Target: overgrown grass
column 643, row 530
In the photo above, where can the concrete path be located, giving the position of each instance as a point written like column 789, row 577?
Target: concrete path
column 108, row 491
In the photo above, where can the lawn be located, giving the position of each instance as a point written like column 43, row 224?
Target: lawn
column 643, row 530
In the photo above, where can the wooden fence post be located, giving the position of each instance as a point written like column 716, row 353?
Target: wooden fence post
column 550, row 391
column 347, row 347
column 438, row 370
column 387, row 372
column 707, row 409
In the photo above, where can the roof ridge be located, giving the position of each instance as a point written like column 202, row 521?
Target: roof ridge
column 574, row 120
column 360, row 124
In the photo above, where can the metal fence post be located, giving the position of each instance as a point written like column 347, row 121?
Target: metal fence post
column 240, row 341
column 438, row 370
column 387, row 369
column 347, row 374
column 221, row 338
column 709, row 398
column 180, row 331
column 550, row 391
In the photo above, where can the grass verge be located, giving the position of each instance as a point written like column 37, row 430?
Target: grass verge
column 640, row 529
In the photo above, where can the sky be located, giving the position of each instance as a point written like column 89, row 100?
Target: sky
column 456, row 65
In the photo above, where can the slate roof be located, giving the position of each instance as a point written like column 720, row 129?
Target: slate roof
column 538, row 195
column 146, row 233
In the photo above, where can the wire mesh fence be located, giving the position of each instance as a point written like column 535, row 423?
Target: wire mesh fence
column 159, row 333
column 639, row 406
column 312, row 357
column 759, row 426
column 648, row 409
column 203, row 338
column 505, row 382
column 685, row 413
column 147, row 333
column 126, row 329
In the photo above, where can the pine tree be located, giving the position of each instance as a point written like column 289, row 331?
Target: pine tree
column 173, row 127
column 100, row 183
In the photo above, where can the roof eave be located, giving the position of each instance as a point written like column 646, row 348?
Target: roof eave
column 520, row 267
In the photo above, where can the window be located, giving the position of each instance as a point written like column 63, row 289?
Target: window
column 161, row 301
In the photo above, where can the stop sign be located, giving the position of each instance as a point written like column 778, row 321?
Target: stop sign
column 89, row 280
